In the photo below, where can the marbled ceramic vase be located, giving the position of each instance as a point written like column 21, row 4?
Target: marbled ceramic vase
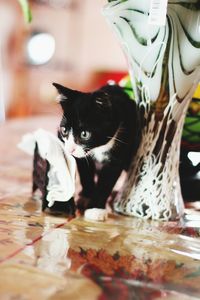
column 164, row 65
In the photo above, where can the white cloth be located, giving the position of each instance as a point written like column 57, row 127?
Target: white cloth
column 61, row 185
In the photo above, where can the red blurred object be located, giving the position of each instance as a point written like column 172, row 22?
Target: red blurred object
column 101, row 78
column 104, row 77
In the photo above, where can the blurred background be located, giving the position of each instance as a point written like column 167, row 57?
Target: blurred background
column 68, row 41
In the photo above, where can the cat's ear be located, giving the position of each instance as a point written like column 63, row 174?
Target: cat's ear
column 65, row 93
column 102, row 100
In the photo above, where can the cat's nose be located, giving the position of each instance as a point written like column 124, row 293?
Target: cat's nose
column 73, row 151
column 70, row 148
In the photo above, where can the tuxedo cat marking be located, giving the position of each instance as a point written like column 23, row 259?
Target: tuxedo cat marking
column 101, row 130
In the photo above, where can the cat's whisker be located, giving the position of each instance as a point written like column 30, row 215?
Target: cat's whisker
column 91, row 155
column 121, row 129
column 116, row 139
column 86, row 157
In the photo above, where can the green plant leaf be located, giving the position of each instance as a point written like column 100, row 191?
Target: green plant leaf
column 26, row 10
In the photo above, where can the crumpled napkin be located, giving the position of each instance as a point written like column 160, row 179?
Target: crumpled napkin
column 61, row 184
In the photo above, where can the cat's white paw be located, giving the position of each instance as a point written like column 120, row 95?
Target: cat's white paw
column 96, row 214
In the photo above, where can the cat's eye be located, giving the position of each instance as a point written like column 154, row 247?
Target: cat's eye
column 63, row 131
column 85, row 135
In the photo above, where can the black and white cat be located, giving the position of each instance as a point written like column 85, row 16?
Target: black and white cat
column 101, row 130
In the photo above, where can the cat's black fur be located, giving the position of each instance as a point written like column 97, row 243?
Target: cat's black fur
column 95, row 119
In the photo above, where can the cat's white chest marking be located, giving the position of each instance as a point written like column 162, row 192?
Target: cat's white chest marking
column 101, row 153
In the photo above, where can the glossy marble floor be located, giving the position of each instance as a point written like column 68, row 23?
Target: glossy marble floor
column 48, row 257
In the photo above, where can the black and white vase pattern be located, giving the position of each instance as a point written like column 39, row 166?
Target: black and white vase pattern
column 164, row 65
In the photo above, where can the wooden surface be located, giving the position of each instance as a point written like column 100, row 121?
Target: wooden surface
column 48, row 257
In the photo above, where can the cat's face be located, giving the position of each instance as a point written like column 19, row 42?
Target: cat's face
column 88, row 122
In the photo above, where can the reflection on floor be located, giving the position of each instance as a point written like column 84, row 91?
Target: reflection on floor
column 48, row 257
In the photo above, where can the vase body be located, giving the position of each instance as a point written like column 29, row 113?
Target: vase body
column 163, row 63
